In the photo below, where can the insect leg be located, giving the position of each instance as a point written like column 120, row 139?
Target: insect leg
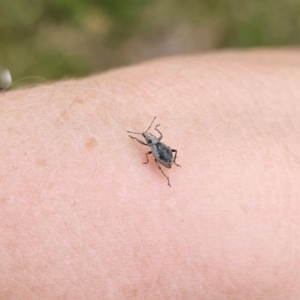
column 157, row 164
column 174, row 150
column 141, row 142
column 147, row 157
column 161, row 136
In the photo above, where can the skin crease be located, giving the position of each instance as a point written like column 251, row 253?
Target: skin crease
column 83, row 218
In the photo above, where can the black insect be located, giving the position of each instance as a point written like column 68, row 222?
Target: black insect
column 162, row 153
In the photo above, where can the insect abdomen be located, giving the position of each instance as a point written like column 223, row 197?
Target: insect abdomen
column 163, row 154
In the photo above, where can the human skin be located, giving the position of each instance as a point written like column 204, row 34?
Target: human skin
column 82, row 218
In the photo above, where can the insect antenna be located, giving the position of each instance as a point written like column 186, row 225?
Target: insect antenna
column 150, row 124
column 134, row 132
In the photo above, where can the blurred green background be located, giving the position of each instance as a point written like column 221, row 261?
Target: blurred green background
column 42, row 40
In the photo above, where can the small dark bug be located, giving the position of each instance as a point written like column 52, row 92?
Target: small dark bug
column 161, row 152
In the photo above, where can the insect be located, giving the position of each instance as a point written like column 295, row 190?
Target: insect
column 162, row 153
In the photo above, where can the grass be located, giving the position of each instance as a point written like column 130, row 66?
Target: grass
column 53, row 39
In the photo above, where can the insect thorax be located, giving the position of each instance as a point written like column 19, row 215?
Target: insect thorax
column 150, row 138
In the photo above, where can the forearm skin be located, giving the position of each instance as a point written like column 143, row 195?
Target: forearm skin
column 83, row 218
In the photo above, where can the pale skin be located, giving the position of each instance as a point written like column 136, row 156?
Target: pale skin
column 83, row 218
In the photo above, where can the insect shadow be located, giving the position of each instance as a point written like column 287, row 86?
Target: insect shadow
column 162, row 153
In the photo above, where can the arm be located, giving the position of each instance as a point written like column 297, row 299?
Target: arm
column 81, row 217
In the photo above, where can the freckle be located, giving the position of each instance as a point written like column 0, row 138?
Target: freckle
column 244, row 208
column 79, row 101
column 41, row 162
column 42, row 267
column 91, row 143
column 275, row 271
column 129, row 292
column 3, row 200
column 14, row 130
column 64, row 114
